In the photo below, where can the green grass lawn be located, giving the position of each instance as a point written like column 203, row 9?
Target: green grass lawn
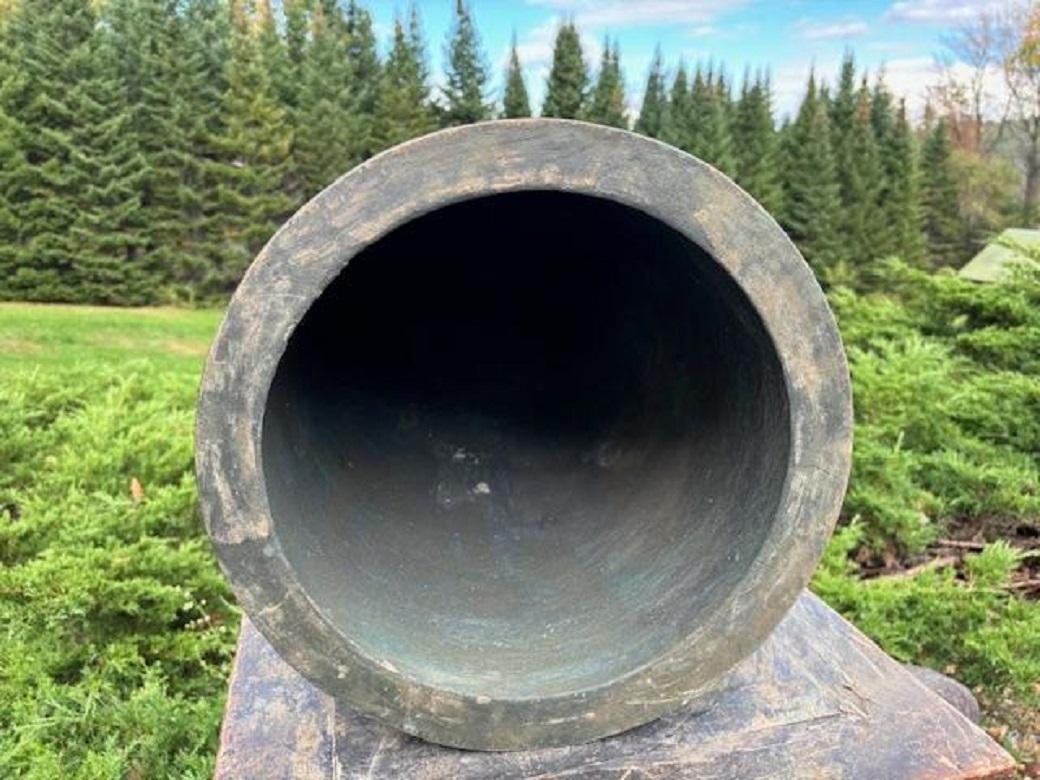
column 117, row 629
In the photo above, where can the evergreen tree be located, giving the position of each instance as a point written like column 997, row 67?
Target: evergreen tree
column 723, row 94
column 939, row 198
column 417, row 45
column 711, row 139
column 466, row 72
column 515, row 103
column 859, row 172
column 403, row 110
column 325, row 145
column 900, row 217
column 903, row 201
column 882, row 112
column 810, row 188
column 756, row 147
column 653, row 112
column 568, row 78
column 65, row 170
column 109, row 225
column 200, row 45
column 281, row 70
column 295, row 32
column 183, row 140
column 862, row 226
column 701, row 101
column 842, row 107
column 679, row 117
column 257, row 144
column 607, row 101
column 882, row 123
column 366, row 79
column 335, row 20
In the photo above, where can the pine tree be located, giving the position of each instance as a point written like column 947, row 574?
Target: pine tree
column 109, row 225
column 515, row 103
column 810, row 189
column 756, row 147
column 65, row 170
column 296, row 22
column 903, row 205
column 939, row 198
column 712, row 139
column 403, row 110
column 281, row 70
column 882, row 123
column 723, row 93
column 701, row 106
column 607, row 100
column 325, row 145
column 679, row 117
column 335, row 20
column 186, row 80
column 861, row 180
column 653, row 113
column 366, row 79
column 900, row 231
column 257, row 145
column 417, row 46
column 842, row 107
column 568, row 78
column 466, row 72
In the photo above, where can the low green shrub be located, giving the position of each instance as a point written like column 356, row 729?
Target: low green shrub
column 974, row 629
column 945, row 431
column 116, row 627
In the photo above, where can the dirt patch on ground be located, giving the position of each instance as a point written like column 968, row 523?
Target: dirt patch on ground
column 20, row 346
column 1016, row 727
column 189, row 348
column 118, row 341
column 186, row 347
column 962, row 537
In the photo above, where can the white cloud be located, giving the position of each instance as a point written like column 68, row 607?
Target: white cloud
column 909, row 78
column 535, row 48
column 906, row 77
column 633, row 12
column 704, row 30
column 939, row 11
column 825, row 30
column 789, row 80
column 888, row 47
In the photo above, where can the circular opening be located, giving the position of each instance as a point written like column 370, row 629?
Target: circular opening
column 523, row 443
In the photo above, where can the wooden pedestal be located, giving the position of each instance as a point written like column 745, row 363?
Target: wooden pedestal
column 817, row 700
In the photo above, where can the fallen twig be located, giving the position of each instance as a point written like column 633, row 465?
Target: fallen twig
column 913, row 571
column 957, row 543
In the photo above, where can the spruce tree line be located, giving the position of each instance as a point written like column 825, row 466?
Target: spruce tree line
column 846, row 177
column 149, row 149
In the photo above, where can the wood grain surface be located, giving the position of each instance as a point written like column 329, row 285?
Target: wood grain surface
column 816, row 700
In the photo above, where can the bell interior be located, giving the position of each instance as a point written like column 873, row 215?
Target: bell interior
column 522, row 444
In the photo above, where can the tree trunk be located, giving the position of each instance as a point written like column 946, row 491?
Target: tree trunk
column 1032, row 161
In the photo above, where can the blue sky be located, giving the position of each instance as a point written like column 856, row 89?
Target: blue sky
column 901, row 36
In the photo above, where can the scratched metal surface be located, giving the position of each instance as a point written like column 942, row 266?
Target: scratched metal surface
column 816, row 700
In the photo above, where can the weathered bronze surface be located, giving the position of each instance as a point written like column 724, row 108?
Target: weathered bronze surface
column 816, row 700
column 523, row 434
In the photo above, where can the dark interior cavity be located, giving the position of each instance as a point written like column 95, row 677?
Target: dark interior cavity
column 522, row 443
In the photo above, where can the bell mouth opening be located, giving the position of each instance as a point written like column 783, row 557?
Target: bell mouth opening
column 523, row 445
